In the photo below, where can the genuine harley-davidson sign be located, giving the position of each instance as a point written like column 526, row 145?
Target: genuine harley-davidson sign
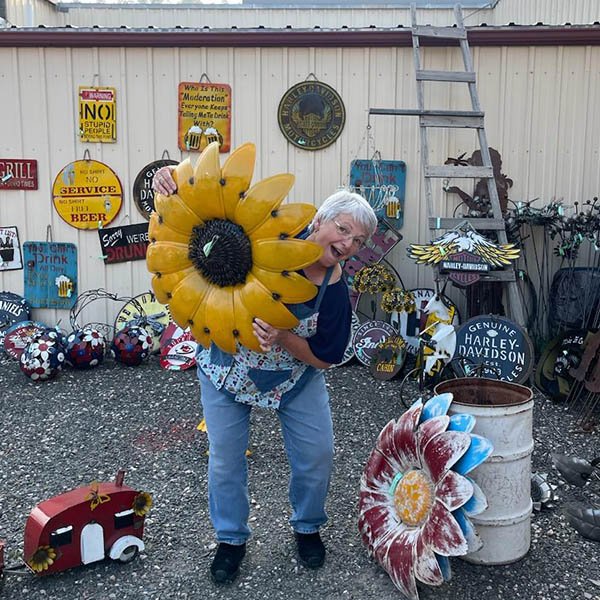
column 311, row 115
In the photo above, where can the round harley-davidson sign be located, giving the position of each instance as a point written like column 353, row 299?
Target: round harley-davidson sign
column 311, row 115
column 143, row 194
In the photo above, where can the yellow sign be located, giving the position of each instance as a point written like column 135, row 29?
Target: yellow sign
column 87, row 194
column 97, row 114
column 204, row 115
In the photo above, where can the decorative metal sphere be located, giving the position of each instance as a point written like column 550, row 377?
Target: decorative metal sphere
column 131, row 346
column 85, row 348
column 43, row 356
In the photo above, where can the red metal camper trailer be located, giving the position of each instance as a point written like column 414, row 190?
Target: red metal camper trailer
column 86, row 525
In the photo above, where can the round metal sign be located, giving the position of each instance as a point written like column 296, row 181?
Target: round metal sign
column 177, row 348
column 87, row 194
column 368, row 337
column 19, row 335
column 502, row 349
column 311, row 115
column 13, row 309
column 143, row 194
column 409, row 324
column 389, row 358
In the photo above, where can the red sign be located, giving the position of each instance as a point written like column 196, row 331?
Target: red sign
column 18, row 174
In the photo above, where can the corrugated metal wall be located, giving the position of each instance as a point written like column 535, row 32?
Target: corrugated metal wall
column 540, row 102
column 550, row 12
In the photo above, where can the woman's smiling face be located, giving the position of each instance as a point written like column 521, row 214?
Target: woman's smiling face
column 340, row 238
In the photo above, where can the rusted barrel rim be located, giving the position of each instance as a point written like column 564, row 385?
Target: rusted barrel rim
column 509, row 394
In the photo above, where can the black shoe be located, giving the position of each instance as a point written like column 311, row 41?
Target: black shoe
column 310, row 549
column 226, row 563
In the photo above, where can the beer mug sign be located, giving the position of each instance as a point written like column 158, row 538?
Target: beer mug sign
column 192, row 138
column 65, row 286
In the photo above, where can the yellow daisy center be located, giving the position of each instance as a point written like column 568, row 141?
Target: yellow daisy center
column 413, row 498
column 221, row 251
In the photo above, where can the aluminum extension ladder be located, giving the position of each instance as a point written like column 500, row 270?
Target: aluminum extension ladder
column 473, row 119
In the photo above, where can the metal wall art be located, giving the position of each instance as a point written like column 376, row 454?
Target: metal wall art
column 87, row 194
column 10, row 249
column 50, row 274
column 311, row 115
column 97, row 114
column 143, row 194
column 204, row 116
column 125, row 243
column 18, row 174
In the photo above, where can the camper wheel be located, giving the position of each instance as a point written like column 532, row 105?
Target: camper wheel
column 128, row 554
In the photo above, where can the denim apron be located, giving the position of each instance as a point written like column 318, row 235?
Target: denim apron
column 258, row 378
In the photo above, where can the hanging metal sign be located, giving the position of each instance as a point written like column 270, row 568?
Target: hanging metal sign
column 13, row 309
column 50, row 274
column 121, row 244
column 500, row 347
column 18, row 174
column 97, row 114
column 464, row 268
column 368, row 337
column 410, row 324
column 87, row 194
column 382, row 183
column 204, row 115
column 143, row 194
column 10, row 250
column 311, row 115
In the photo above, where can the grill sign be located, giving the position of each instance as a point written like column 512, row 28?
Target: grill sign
column 311, row 115
column 97, row 114
column 143, row 194
column 501, row 346
column 18, row 174
column 121, row 244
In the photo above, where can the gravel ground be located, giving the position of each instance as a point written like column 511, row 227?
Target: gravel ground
column 85, row 425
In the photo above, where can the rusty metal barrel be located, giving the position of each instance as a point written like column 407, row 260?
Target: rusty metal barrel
column 504, row 414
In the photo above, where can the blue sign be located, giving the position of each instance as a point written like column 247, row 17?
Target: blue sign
column 50, row 274
column 382, row 183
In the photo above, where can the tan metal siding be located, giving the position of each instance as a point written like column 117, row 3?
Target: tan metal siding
column 550, row 12
column 541, row 114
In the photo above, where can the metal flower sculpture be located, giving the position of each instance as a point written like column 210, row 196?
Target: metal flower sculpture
column 223, row 253
column 415, row 497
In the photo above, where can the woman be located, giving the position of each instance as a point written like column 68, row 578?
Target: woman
column 287, row 377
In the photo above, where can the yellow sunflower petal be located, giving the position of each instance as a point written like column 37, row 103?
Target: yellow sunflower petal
column 291, row 288
column 187, row 295
column 237, row 173
column 260, row 302
column 292, row 254
column 219, row 314
column 288, row 221
column 164, row 285
column 167, row 257
column 183, row 174
column 206, row 200
column 242, row 319
column 175, row 214
column 262, row 198
column 199, row 326
column 161, row 232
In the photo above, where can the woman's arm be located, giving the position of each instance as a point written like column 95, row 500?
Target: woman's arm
column 297, row 346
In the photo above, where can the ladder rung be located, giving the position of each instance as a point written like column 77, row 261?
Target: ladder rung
column 480, row 224
column 417, row 112
column 448, row 171
column 451, row 121
column 454, row 33
column 456, row 76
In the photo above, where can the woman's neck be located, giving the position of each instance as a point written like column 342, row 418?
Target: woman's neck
column 316, row 273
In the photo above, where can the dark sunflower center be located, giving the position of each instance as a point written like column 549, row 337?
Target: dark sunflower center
column 220, row 250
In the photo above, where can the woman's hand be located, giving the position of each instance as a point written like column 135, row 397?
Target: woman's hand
column 266, row 334
column 163, row 182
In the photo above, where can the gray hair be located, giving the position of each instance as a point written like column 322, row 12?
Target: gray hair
column 349, row 203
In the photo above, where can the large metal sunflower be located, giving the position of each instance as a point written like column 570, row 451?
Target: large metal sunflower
column 223, row 254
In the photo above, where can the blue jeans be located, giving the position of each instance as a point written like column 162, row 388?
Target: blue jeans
column 307, row 429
